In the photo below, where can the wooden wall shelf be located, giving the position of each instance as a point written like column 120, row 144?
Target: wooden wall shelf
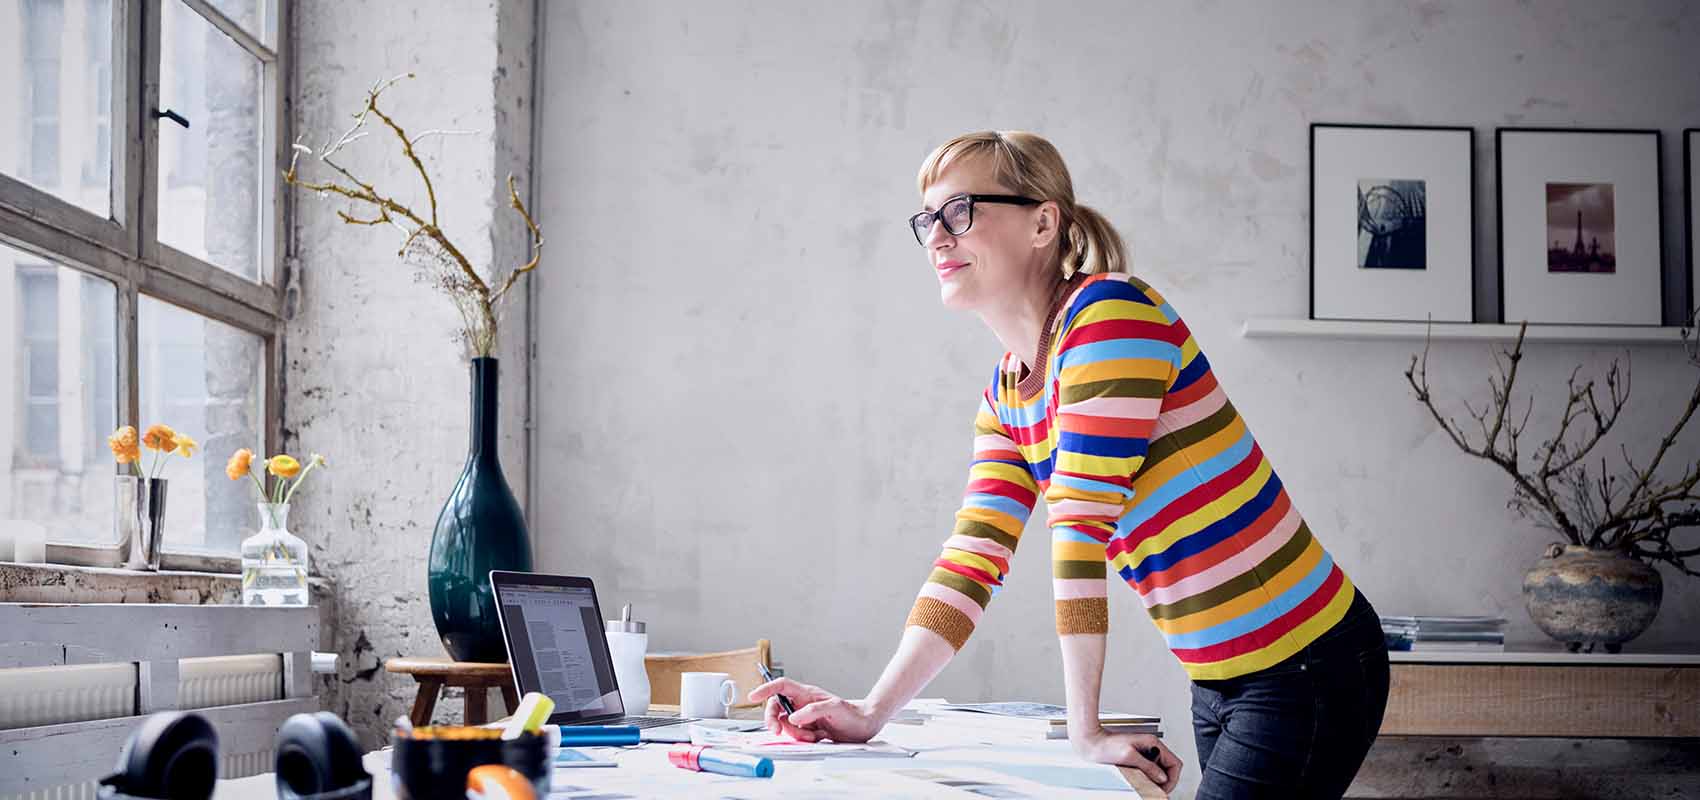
column 1544, row 693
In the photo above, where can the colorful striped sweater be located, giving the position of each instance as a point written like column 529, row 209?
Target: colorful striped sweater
column 1145, row 466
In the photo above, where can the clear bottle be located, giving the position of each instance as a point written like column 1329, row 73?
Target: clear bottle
column 274, row 561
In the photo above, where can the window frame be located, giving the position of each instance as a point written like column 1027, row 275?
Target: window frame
column 124, row 247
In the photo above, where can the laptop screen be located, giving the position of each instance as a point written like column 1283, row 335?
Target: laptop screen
column 557, row 647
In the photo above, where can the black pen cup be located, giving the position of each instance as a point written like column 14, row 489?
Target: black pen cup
column 436, row 768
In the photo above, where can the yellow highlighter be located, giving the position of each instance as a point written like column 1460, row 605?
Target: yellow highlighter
column 534, row 710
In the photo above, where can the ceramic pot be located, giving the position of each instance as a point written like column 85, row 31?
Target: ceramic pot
column 1586, row 597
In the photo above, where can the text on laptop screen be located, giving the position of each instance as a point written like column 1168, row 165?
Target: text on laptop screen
column 554, row 625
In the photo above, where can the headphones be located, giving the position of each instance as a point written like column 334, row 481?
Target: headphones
column 318, row 757
column 174, row 755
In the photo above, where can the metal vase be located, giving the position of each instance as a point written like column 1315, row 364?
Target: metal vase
column 141, row 521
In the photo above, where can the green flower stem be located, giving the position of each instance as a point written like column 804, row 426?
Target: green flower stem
column 258, row 484
column 311, row 463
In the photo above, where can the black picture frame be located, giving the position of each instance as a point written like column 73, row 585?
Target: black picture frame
column 1499, row 209
column 1470, row 171
column 1688, row 242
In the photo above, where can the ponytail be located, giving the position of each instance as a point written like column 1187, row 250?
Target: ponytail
column 1090, row 244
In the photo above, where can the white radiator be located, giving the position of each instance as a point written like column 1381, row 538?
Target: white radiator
column 228, row 680
column 51, row 695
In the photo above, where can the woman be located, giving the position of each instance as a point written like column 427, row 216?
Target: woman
column 1104, row 405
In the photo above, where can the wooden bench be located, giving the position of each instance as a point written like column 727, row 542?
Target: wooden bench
column 1541, row 692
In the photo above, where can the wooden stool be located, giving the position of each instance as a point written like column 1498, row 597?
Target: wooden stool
column 475, row 677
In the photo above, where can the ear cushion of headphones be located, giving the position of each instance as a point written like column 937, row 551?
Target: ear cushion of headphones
column 316, row 753
column 171, row 754
column 344, row 749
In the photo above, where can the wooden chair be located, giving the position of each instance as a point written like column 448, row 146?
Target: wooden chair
column 664, row 671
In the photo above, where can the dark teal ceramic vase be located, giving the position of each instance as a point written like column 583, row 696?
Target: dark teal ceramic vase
column 480, row 529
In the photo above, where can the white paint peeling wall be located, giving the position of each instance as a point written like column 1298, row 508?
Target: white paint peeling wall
column 374, row 378
column 754, row 417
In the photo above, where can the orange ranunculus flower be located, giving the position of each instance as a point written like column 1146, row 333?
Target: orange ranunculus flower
column 186, row 446
column 283, row 466
column 123, row 444
column 160, row 437
column 240, row 463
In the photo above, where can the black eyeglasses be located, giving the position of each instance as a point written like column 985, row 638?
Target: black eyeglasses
column 957, row 213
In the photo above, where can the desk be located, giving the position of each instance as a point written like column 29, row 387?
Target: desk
column 1014, row 761
column 1544, row 692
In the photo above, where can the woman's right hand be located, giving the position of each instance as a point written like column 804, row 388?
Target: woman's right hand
column 820, row 714
column 1131, row 750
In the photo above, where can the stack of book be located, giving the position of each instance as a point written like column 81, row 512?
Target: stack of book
column 1113, row 723
column 1036, row 717
column 1444, row 634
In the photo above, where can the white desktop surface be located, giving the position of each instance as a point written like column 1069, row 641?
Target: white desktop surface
column 1020, row 758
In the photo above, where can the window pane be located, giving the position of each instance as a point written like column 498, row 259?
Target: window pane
column 247, row 15
column 97, row 168
column 43, row 375
column 57, row 344
column 202, row 378
column 58, row 54
column 209, row 176
column 41, row 427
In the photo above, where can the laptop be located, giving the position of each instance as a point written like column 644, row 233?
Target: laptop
column 552, row 628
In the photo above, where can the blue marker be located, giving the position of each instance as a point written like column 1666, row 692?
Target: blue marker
column 598, row 735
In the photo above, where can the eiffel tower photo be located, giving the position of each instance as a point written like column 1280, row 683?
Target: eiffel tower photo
column 1583, row 215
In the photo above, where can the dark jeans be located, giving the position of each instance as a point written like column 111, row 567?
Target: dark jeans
column 1300, row 728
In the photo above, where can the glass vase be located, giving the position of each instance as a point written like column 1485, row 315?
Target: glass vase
column 274, row 561
column 480, row 528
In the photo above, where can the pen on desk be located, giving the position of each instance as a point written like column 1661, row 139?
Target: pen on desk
column 784, row 702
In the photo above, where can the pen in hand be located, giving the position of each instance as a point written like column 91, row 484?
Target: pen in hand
column 784, row 702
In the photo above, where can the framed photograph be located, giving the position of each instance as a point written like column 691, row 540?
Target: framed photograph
column 1691, row 183
column 1579, row 227
column 1391, row 212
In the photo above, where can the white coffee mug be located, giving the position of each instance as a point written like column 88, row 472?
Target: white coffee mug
column 706, row 695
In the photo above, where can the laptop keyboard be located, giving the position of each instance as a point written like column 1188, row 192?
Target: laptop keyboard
column 647, row 722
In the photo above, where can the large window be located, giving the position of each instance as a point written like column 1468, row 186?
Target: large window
column 140, row 227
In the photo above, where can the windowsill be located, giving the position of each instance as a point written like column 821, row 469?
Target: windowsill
column 66, row 583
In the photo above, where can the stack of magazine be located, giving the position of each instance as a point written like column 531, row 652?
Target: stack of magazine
column 1052, row 719
column 1444, row 634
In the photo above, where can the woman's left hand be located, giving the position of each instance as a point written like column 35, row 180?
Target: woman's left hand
column 1129, row 750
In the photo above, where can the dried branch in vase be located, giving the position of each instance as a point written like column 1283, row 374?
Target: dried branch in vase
column 425, row 247
column 1635, row 513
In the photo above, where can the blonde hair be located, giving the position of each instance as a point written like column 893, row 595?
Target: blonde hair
column 1025, row 163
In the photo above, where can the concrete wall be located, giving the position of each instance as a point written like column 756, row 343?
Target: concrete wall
column 754, row 417
column 374, row 379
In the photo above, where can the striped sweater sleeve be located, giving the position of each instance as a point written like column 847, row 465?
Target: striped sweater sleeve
column 1116, row 359
column 975, row 560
